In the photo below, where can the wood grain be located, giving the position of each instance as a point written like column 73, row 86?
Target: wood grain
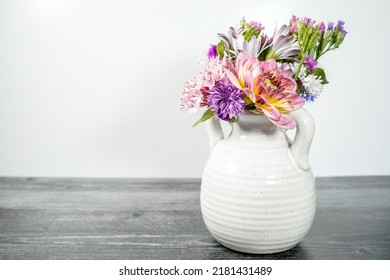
column 58, row 218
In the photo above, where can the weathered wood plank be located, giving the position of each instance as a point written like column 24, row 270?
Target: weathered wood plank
column 62, row 218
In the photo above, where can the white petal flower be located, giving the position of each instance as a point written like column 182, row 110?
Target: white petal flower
column 313, row 85
column 236, row 43
column 284, row 45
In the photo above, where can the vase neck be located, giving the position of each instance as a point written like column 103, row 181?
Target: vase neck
column 250, row 123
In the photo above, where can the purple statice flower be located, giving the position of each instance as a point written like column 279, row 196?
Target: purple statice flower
column 321, row 26
column 340, row 26
column 294, row 20
column 212, row 52
column 307, row 96
column 256, row 25
column 330, row 25
column 310, row 63
column 226, row 100
column 309, row 21
column 294, row 24
column 268, row 41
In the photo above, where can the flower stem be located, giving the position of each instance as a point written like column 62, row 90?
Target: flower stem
column 299, row 66
column 324, row 52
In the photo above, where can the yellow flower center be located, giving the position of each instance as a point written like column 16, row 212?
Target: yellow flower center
column 269, row 83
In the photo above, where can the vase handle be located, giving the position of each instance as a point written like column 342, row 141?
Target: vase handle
column 214, row 130
column 303, row 138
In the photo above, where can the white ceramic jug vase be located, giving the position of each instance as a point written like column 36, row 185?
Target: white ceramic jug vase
column 258, row 193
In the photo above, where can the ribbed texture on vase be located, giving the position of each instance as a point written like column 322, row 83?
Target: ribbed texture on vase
column 256, row 201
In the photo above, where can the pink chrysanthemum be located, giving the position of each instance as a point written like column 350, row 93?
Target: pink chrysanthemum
column 196, row 91
column 194, row 96
column 213, row 71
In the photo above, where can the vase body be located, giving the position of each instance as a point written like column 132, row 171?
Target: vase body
column 256, row 196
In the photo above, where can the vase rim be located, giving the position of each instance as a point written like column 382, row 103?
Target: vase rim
column 247, row 112
column 248, row 115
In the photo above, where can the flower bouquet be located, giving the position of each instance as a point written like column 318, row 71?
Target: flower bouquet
column 250, row 71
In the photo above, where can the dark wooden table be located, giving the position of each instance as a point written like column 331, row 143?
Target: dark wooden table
column 52, row 218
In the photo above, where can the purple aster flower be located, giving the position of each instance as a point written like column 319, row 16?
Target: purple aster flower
column 310, row 63
column 212, row 52
column 330, row 25
column 226, row 100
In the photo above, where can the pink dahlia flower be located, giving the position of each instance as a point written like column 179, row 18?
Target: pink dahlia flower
column 275, row 105
column 271, row 90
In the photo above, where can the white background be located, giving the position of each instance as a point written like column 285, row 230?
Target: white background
column 92, row 88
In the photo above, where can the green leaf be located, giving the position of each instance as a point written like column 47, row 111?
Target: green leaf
column 250, row 106
column 206, row 115
column 233, row 120
column 220, row 49
column 320, row 73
